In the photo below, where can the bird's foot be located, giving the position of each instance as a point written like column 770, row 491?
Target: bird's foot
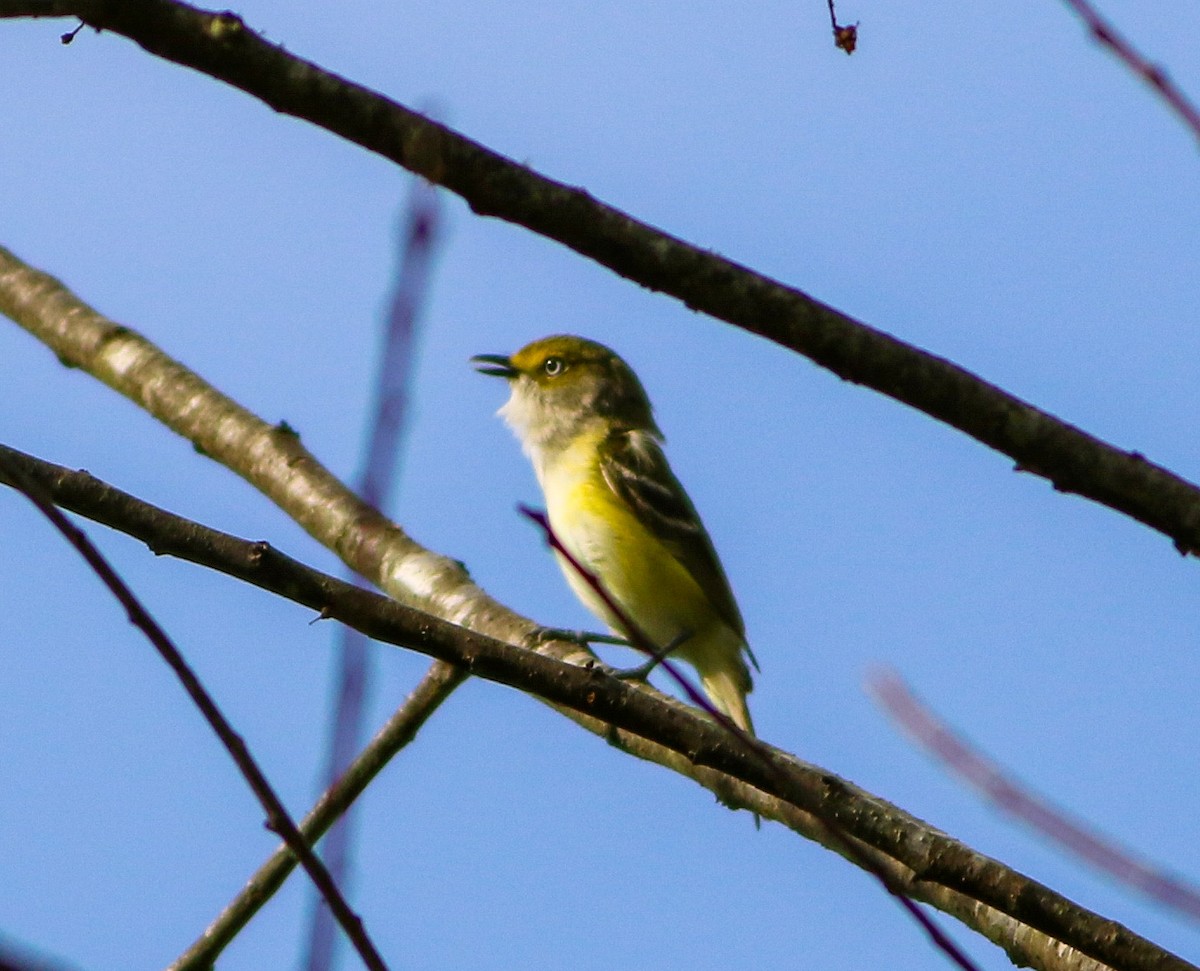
column 644, row 670
column 639, row 673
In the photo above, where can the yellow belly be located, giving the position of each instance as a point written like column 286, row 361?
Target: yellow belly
column 637, row 570
column 641, row 574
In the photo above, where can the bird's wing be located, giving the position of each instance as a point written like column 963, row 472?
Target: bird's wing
column 635, row 468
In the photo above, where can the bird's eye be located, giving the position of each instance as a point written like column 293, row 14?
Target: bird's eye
column 553, row 366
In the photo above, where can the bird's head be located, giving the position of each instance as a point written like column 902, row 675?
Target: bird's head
column 563, row 386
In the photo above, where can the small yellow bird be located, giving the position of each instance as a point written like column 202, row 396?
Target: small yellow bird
column 586, row 423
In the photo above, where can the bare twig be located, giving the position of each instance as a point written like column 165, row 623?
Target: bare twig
column 1106, row 34
column 70, row 35
column 956, row 754
column 277, row 816
column 386, row 426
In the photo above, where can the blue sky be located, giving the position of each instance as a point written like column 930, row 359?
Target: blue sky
column 979, row 180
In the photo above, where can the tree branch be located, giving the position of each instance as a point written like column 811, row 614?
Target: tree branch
column 1036, row 926
column 1008, row 795
column 1106, row 34
column 222, row 46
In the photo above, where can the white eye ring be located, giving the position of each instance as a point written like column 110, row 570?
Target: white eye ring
column 553, row 366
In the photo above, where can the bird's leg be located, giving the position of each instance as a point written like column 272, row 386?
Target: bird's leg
column 643, row 670
column 581, row 637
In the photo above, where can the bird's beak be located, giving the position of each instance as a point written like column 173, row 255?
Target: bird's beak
column 494, row 364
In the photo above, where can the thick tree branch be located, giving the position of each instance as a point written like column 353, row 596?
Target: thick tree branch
column 222, row 46
column 1036, row 926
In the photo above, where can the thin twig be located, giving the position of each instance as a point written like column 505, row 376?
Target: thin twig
column 278, row 819
column 1106, row 34
column 958, row 755
column 386, row 426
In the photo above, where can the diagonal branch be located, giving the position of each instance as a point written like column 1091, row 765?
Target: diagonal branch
column 1036, row 926
column 222, row 46
column 1106, row 34
column 1011, row 797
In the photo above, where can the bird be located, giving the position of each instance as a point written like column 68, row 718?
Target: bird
column 586, row 423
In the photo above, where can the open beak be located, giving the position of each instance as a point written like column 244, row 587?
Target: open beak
column 494, row 364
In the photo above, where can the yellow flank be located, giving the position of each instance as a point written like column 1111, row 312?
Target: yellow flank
column 639, row 572
column 610, row 540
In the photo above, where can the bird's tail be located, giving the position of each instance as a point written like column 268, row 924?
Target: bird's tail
column 727, row 688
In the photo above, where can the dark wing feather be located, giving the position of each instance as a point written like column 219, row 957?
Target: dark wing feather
column 635, row 469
